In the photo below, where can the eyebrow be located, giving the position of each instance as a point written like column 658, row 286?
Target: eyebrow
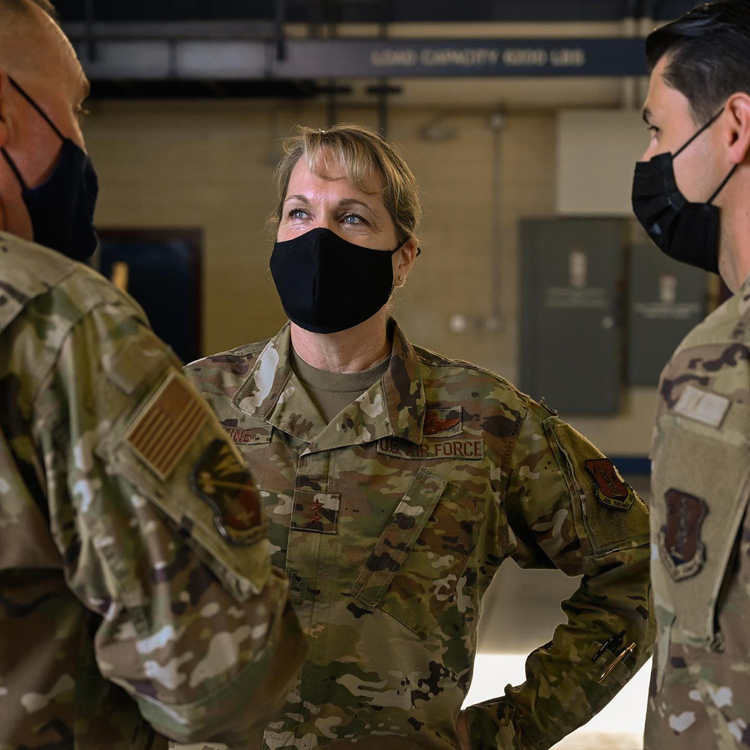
column 343, row 203
column 85, row 87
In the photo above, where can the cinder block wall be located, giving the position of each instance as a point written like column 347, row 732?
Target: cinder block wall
column 209, row 164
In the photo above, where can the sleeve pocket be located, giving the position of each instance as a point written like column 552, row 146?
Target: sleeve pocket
column 598, row 516
column 578, row 695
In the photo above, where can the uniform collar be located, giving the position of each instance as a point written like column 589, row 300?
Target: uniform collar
column 392, row 407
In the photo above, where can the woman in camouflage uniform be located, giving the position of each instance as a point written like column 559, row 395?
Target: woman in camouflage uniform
column 397, row 481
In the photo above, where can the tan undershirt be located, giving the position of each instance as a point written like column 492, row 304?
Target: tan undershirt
column 333, row 391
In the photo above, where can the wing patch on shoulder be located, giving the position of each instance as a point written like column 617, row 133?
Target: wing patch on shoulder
column 167, row 425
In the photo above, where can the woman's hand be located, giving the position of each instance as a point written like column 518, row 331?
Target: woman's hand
column 463, row 732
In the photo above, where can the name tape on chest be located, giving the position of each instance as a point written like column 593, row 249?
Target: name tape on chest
column 167, row 426
column 246, row 435
column 456, row 450
column 702, row 406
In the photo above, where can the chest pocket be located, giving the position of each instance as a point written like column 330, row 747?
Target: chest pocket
column 415, row 567
column 701, row 492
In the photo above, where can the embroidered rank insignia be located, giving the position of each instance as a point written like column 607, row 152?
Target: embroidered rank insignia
column 164, row 430
column 611, row 489
column 316, row 512
column 680, row 545
column 442, row 422
column 223, row 482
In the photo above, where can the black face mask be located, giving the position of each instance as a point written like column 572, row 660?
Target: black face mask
column 327, row 284
column 62, row 207
column 688, row 232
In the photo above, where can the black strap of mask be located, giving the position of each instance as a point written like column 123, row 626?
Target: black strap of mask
column 14, row 168
column 704, row 128
column 721, row 187
column 54, row 127
column 37, row 108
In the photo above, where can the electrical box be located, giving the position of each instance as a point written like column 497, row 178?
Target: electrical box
column 571, row 324
column 666, row 300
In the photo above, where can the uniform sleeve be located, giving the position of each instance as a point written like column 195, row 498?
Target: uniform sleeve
column 163, row 535
column 569, row 508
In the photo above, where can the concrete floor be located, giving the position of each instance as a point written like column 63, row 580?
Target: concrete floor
column 521, row 610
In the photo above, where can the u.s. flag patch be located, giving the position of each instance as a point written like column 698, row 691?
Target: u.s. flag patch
column 163, row 431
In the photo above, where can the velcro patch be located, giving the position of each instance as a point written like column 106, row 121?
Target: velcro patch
column 456, row 450
column 166, row 427
column 443, row 422
column 611, row 489
column 680, row 546
column 702, row 406
column 226, row 485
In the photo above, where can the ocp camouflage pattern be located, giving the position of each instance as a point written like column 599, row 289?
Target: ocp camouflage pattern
column 122, row 609
column 391, row 521
column 700, row 688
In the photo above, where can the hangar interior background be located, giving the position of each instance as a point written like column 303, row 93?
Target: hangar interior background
column 521, row 120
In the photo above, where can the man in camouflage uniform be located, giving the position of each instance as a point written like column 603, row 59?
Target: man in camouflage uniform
column 391, row 521
column 136, row 594
column 698, row 109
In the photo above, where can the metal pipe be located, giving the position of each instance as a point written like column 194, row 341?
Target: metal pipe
column 90, row 32
column 385, row 7
column 279, row 38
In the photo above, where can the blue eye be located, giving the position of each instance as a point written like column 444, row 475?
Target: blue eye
column 353, row 219
column 297, row 213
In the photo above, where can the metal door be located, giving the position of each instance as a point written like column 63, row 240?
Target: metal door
column 571, row 338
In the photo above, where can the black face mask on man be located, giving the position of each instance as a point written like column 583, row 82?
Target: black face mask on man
column 327, row 284
column 688, row 232
column 62, row 207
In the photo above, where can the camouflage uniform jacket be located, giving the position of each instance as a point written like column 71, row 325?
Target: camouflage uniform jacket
column 700, row 535
column 115, row 581
column 391, row 522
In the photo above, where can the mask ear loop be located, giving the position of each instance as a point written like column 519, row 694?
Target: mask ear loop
column 54, row 127
column 37, row 108
column 393, row 252
column 14, row 169
column 704, row 128
column 723, row 184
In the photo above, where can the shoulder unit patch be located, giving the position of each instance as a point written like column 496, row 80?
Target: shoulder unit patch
column 223, row 482
column 611, row 489
column 680, row 545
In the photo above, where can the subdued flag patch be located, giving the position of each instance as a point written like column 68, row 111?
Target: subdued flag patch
column 168, row 424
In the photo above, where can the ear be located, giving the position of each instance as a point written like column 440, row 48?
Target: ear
column 738, row 108
column 4, row 108
column 405, row 258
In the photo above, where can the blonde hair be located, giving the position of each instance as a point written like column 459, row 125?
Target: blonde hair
column 361, row 154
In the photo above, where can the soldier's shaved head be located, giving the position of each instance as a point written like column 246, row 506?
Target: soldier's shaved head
column 37, row 59
column 27, row 30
